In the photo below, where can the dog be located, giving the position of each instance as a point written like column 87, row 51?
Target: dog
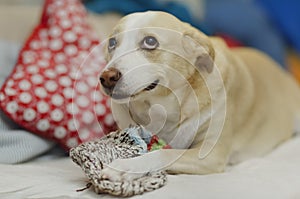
column 214, row 105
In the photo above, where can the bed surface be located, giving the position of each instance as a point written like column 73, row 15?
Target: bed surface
column 274, row 176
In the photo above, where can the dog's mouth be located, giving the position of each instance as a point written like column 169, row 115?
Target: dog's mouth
column 117, row 95
column 152, row 85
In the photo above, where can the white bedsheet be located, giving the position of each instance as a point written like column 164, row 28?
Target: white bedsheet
column 275, row 176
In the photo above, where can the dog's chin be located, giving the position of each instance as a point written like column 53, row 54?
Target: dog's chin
column 120, row 96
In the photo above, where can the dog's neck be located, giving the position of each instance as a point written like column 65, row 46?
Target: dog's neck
column 163, row 114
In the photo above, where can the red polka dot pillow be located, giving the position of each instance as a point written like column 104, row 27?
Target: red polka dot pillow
column 53, row 89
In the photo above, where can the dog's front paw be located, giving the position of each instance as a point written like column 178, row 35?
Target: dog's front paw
column 121, row 170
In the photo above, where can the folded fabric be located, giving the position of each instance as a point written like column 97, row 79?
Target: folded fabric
column 18, row 146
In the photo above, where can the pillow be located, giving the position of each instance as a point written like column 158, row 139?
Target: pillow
column 51, row 92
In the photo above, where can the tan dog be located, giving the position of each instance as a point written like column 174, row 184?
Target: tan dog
column 222, row 105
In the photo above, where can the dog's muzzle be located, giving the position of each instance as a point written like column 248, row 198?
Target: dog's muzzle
column 111, row 77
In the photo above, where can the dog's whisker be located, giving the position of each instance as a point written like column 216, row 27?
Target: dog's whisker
column 152, row 85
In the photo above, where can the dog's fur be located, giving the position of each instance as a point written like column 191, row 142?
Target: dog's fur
column 248, row 96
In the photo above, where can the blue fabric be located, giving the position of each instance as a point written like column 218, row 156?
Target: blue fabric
column 286, row 15
column 247, row 22
column 129, row 6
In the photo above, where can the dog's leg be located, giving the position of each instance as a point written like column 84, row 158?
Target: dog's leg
column 189, row 161
column 172, row 160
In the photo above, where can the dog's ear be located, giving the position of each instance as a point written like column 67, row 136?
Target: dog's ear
column 199, row 49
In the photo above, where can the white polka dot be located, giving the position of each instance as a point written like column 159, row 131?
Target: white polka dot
column 57, row 115
column 51, row 85
column 55, row 31
column 18, row 75
column 40, row 92
column 88, row 71
column 50, row 9
column 100, row 109
column 35, row 44
column 56, row 44
column 32, row 69
column 70, row 50
column 65, row 81
column 10, row 92
column 43, row 125
column 50, row 73
column 83, row 54
column 43, row 63
column 84, row 43
column 28, row 57
column 72, row 142
column 24, row 85
column 42, row 107
column 87, row 117
column 65, row 23
column 59, row 57
column 75, row 74
column 97, row 96
column 61, row 69
column 46, row 54
column 37, row 79
column 109, row 120
column 12, row 107
column 57, row 100
column 72, row 109
column 60, row 132
column 82, row 101
column 69, row 36
column 29, row 114
column 62, row 13
column 71, row 125
column 25, row 97
column 92, row 81
column 43, row 33
column 82, row 87
column 68, row 93
column 59, row 3
column 78, row 29
column 84, row 134
column 2, row 96
column 10, row 83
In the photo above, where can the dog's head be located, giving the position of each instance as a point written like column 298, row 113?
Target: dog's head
column 153, row 52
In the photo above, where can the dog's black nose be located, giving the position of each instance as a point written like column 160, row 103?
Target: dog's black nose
column 110, row 77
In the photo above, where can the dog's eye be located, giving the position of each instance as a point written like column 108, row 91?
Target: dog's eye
column 112, row 43
column 149, row 43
